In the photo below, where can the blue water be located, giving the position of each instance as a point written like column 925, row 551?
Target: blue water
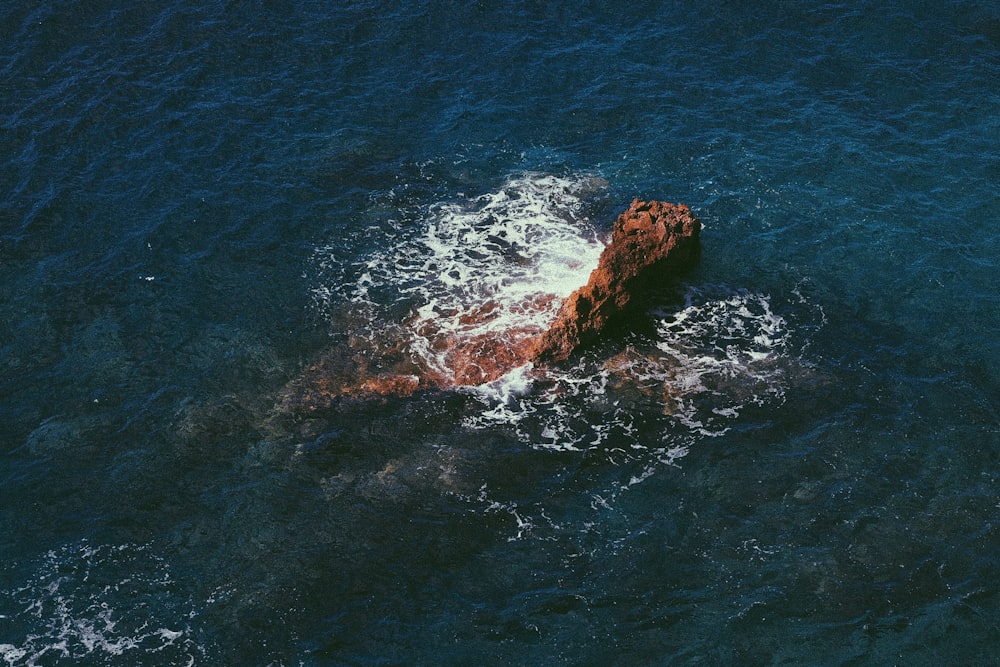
column 806, row 472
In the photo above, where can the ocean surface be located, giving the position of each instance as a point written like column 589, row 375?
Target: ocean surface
column 791, row 457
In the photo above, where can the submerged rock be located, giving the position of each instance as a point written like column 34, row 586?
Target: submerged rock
column 650, row 242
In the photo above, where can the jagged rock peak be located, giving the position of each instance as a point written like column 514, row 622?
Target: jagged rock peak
column 650, row 242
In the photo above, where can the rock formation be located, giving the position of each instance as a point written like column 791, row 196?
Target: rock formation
column 649, row 242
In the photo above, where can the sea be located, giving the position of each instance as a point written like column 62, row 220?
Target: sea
column 790, row 455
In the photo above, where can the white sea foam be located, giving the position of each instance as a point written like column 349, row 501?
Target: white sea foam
column 494, row 266
column 491, row 267
column 88, row 602
column 725, row 350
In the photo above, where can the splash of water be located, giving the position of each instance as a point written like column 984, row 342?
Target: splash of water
column 460, row 295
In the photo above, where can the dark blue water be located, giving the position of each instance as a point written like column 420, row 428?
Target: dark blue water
column 793, row 459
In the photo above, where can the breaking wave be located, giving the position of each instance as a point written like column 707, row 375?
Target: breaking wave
column 493, row 267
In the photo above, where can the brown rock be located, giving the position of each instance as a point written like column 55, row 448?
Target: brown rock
column 650, row 242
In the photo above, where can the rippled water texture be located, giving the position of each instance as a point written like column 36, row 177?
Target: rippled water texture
column 789, row 457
